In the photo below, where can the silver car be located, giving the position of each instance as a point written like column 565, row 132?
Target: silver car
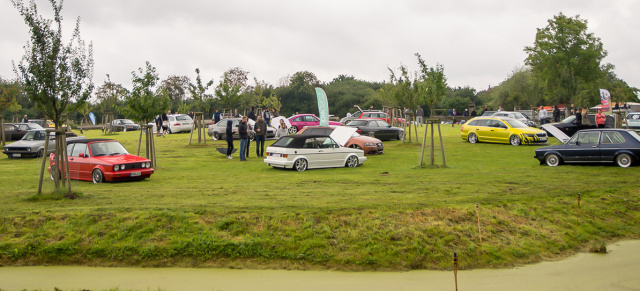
column 32, row 145
column 515, row 115
column 632, row 121
column 219, row 130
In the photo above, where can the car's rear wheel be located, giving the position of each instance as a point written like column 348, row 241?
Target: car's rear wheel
column 97, row 176
column 352, row 162
column 473, row 138
column 293, row 129
column 215, row 135
column 552, row 160
column 624, row 160
column 514, row 140
column 300, row 165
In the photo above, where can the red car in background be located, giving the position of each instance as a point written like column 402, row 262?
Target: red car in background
column 100, row 160
column 301, row 120
column 379, row 115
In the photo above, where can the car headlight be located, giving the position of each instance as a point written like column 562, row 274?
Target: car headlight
column 529, row 135
column 116, row 168
column 368, row 144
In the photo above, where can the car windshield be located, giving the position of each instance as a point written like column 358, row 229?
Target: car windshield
column 634, row 134
column 283, row 142
column 35, row 135
column 128, row 121
column 107, row 148
column 633, row 116
column 569, row 119
column 516, row 123
column 358, row 123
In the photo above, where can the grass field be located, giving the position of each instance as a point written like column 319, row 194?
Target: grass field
column 200, row 209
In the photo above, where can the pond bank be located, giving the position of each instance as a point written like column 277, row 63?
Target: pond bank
column 617, row 270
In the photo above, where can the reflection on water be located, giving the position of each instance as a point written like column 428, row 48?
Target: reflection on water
column 617, row 270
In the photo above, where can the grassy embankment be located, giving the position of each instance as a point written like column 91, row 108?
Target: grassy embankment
column 200, row 209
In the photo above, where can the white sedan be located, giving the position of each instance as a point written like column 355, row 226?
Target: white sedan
column 301, row 152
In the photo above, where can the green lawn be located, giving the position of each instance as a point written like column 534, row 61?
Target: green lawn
column 200, row 209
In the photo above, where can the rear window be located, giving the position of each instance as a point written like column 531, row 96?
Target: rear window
column 358, row 123
column 282, row 142
column 318, row 131
column 183, row 118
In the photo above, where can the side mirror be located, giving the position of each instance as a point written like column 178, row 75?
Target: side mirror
column 81, row 155
column 389, row 125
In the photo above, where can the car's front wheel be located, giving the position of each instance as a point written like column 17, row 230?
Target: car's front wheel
column 352, row 162
column 97, row 176
column 514, row 140
column 215, row 135
column 300, row 165
column 624, row 160
column 552, row 160
column 293, row 129
column 473, row 138
column 39, row 153
column 400, row 135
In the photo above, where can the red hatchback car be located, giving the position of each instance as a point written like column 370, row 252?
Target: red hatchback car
column 100, row 160
column 301, row 120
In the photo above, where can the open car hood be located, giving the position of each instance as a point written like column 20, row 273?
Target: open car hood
column 342, row 134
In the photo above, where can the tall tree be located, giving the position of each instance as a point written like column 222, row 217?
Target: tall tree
column 565, row 56
column 146, row 100
column 57, row 78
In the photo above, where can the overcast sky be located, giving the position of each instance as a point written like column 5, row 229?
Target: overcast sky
column 479, row 42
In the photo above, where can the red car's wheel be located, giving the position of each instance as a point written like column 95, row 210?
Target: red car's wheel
column 97, row 176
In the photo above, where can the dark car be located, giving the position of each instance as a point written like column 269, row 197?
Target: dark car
column 568, row 126
column 124, row 125
column 13, row 132
column 377, row 128
column 603, row 145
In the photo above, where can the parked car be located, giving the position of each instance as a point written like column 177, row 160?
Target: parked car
column 301, row 120
column 632, row 121
column 370, row 145
column 179, row 123
column 124, row 125
column 28, row 126
column 377, row 128
column 618, row 146
column 219, row 130
column 379, row 115
column 351, row 116
column 43, row 123
column 501, row 130
column 100, row 160
column 302, row 152
column 13, row 132
column 32, row 144
column 568, row 126
column 517, row 116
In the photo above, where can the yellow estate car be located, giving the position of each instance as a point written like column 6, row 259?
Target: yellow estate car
column 501, row 130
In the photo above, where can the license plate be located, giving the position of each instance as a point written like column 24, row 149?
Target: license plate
column 17, row 155
column 543, row 139
column 135, row 174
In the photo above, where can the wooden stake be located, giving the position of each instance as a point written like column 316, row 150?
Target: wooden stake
column 578, row 217
column 455, row 269
column 478, row 214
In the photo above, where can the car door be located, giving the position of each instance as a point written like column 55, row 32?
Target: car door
column 583, row 147
column 79, row 166
column 384, row 130
column 482, row 130
column 329, row 154
column 311, row 152
column 610, row 144
column 501, row 131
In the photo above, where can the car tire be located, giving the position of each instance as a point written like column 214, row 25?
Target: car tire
column 552, row 160
column 514, row 140
column 300, row 165
column 39, row 153
column 472, row 138
column 169, row 130
column 215, row 135
column 624, row 160
column 352, row 162
column 97, row 177
column 372, row 134
column 293, row 130
column 400, row 135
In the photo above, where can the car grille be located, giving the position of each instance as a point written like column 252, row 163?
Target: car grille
column 131, row 166
column 542, row 134
column 17, row 149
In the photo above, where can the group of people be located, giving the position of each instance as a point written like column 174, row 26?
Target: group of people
column 262, row 121
column 543, row 114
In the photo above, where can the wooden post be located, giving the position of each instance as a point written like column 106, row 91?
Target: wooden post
column 478, row 214
column 444, row 162
column 66, row 160
column 455, row 269
column 424, row 141
column 578, row 216
column 432, row 144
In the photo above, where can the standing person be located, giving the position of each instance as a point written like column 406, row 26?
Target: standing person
column 266, row 115
column 542, row 115
column 25, row 119
column 450, row 112
column 282, row 129
column 454, row 112
column 419, row 115
column 216, row 116
column 158, row 125
column 473, row 112
column 483, row 110
column 556, row 113
column 578, row 120
column 191, row 114
column 585, row 117
column 243, row 131
column 229, row 138
column 252, row 113
column 261, row 132
column 235, row 113
column 572, row 110
column 600, row 119
column 500, row 108
column 274, row 113
column 165, row 122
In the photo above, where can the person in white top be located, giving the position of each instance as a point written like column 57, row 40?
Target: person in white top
column 542, row 115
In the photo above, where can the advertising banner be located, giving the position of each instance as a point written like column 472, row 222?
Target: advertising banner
column 605, row 100
column 323, row 107
column 92, row 117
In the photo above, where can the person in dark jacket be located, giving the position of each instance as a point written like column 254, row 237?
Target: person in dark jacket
column 243, row 131
column 261, row 132
column 556, row 113
column 216, row 117
column 578, row 120
column 252, row 113
column 473, row 112
column 165, row 122
column 266, row 115
column 229, row 138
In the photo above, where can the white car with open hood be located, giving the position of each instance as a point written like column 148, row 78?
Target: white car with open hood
column 301, row 152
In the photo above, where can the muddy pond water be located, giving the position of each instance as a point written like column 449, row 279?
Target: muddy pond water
column 619, row 269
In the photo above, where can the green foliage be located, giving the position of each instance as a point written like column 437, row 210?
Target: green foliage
column 231, row 86
column 299, row 95
column 345, row 92
column 56, row 77
column 9, row 92
column 566, row 58
column 431, row 85
column 109, row 96
column 521, row 90
column 145, row 101
column 198, row 92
